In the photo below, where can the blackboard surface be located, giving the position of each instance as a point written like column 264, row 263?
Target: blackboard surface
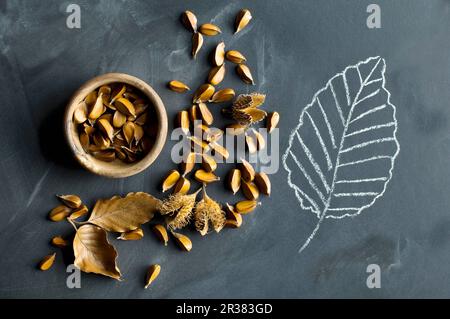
column 293, row 48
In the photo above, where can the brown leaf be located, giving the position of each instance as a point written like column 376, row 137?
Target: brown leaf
column 120, row 215
column 93, row 253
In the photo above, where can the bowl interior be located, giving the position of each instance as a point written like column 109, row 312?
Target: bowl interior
column 116, row 168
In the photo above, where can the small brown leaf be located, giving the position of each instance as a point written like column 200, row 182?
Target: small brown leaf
column 161, row 232
column 93, row 253
column 219, row 54
column 152, row 274
column 244, row 72
column 122, row 214
column 242, row 19
column 197, row 42
column 47, row 262
column 189, row 20
column 178, row 86
column 209, row 29
column 217, row 74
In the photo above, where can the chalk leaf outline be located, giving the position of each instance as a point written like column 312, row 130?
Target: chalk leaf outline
column 356, row 130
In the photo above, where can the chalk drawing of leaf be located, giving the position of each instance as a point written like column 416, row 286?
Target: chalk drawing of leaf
column 341, row 155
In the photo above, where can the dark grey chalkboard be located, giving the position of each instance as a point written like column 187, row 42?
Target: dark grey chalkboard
column 293, row 48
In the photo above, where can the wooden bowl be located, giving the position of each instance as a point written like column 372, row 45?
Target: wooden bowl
column 115, row 169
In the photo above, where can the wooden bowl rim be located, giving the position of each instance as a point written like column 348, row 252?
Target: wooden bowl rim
column 113, row 169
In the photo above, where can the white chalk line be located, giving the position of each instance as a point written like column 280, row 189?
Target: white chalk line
column 309, row 179
column 360, row 145
column 356, row 194
column 373, row 110
column 369, row 159
column 314, row 163
column 330, row 130
column 321, row 142
column 355, row 210
column 374, row 127
column 363, row 180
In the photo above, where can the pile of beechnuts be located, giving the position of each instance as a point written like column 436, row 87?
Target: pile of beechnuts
column 125, row 215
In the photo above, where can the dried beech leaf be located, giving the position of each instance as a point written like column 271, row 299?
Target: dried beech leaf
column 93, row 253
column 242, row 19
column 152, row 273
column 122, row 214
